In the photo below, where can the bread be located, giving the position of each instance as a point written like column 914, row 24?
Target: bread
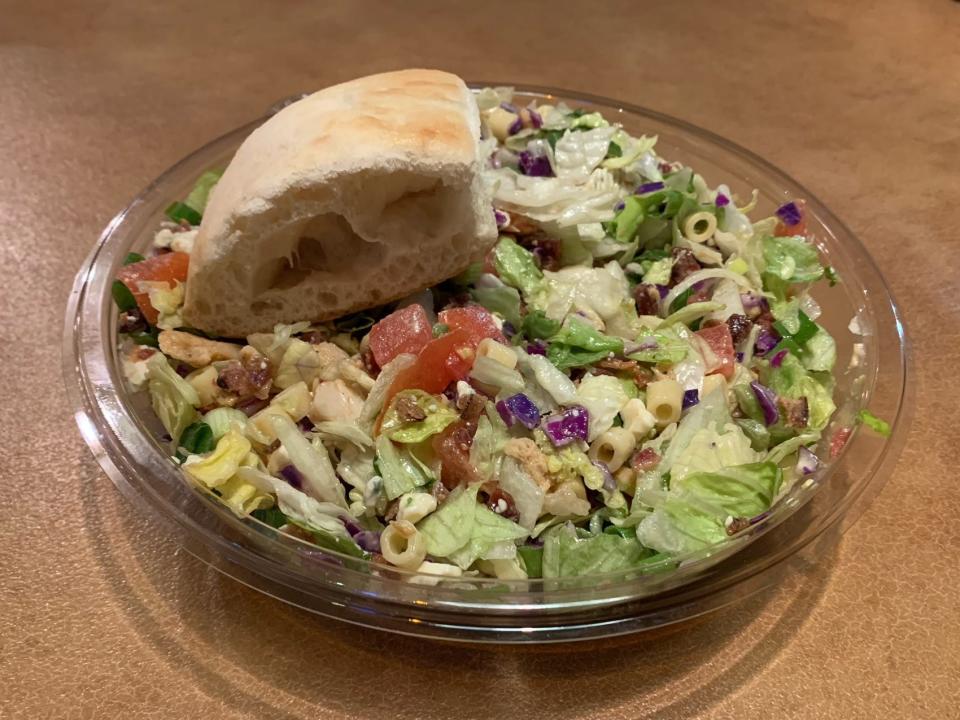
column 357, row 195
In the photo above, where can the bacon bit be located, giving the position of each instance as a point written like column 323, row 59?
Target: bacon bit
column 840, row 438
column 250, row 376
column 546, row 249
column 143, row 352
column 521, row 225
column 251, row 406
column 452, row 446
column 642, row 376
column 647, row 299
column 684, row 265
column 646, row 459
column 739, row 327
column 738, row 524
column 498, row 500
column 408, row 410
column 796, row 412
column 615, row 365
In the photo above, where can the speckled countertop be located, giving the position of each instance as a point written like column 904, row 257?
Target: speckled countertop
column 102, row 616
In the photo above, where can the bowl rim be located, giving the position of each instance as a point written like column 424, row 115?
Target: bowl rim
column 89, row 408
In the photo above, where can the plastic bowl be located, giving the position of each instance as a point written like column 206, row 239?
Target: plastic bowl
column 121, row 431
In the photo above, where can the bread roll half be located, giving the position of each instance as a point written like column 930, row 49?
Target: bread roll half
column 354, row 196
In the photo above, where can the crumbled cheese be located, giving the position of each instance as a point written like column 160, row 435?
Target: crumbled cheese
column 178, row 241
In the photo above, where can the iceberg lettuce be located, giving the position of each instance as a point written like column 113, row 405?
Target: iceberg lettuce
column 435, row 410
column 464, row 531
column 567, row 555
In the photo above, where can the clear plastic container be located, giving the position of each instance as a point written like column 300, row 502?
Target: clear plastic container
column 122, row 433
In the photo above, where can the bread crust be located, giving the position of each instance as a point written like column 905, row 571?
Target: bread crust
column 354, row 196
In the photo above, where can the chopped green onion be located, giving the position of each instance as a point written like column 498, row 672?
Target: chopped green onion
column 132, row 258
column 197, row 439
column 146, row 338
column 881, row 427
column 537, row 326
column 273, row 516
column 532, row 558
column 122, row 296
column 440, row 329
column 808, row 328
column 181, row 211
column 614, row 150
column 831, row 274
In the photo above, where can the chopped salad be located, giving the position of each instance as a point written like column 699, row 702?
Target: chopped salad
column 634, row 373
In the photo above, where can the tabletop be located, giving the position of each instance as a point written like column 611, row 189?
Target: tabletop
column 101, row 615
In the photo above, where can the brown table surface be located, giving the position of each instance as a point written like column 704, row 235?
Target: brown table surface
column 102, row 616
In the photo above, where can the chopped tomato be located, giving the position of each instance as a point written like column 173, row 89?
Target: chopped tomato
column 169, row 268
column 441, row 362
column 718, row 353
column 406, row 330
column 840, row 438
column 449, row 357
column 800, row 228
column 475, row 318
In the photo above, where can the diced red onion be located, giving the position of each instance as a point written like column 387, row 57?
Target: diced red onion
column 501, row 217
column 768, row 403
column 509, row 107
column 535, row 165
column 740, row 357
column 664, row 290
column 508, row 329
column 368, row 540
column 305, row 424
column 751, row 301
column 515, row 127
column 619, row 206
column 807, row 462
column 567, row 427
column 519, row 408
column 777, row 359
column 609, row 484
column 536, row 348
column 722, row 200
column 648, row 188
column 690, row 398
column 790, row 213
column 536, row 120
column 293, row 476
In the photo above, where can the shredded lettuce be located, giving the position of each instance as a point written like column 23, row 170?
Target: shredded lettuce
column 565, row 554
column 399, row 469
column 603, row 396
column 221, row 419
column 197, row 199
column 312, row 462
column 711, row 448
column 172, row 397
column 526, row 494
column 487, row 446
column 502, row 300
column 217, row 467
column 577, row 344
column 663, row 347
column 694, row 513
column 577, row 154
column 792, row 380
column 560, row 387
column 790, row 260
column 516, row 266
column 494, row 374
column 435, row 409
column 463, row 531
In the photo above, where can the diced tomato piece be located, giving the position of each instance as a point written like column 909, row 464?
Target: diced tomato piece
column 719, row 355
column 839, row 441
column 406, row 330
column 800, row 228
column 474, row 318
column 441, row 362
column 449, row 357
column 169, row 267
